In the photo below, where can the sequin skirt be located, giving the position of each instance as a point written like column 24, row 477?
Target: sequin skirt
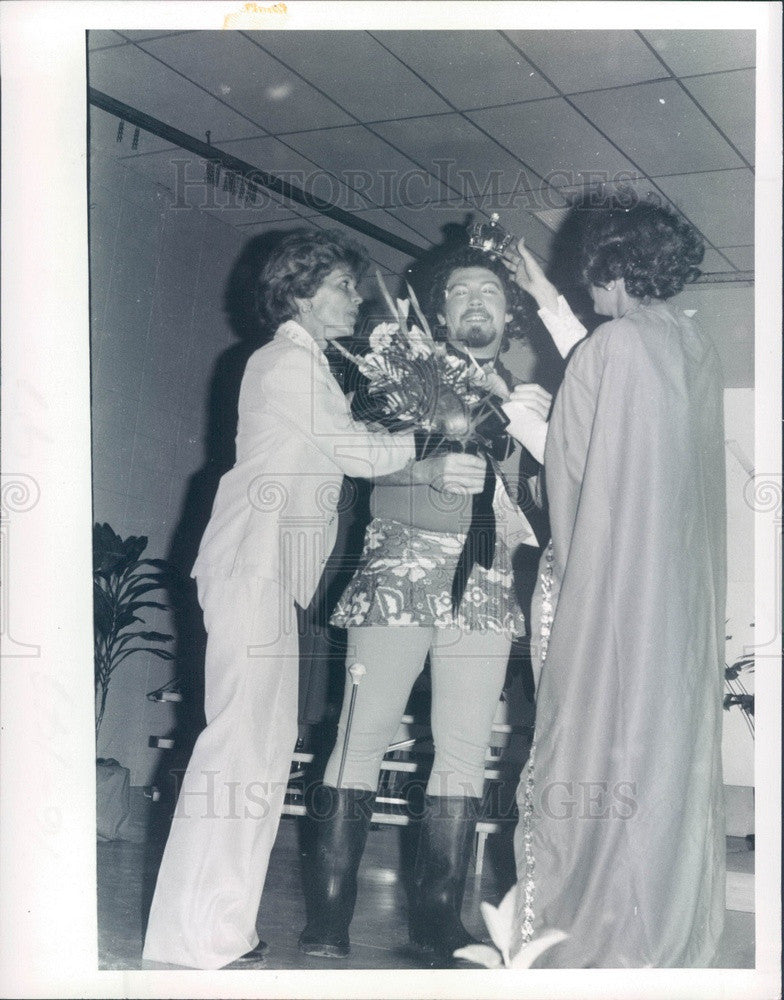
column 405, row 577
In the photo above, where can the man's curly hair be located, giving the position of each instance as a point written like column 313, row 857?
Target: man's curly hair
column 654, row 251
column 298, row 265
column 466, row 256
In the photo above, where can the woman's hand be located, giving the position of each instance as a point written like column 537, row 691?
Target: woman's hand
column 495, row 383
column 528, row 274
column 528, row 408
column 455, row 472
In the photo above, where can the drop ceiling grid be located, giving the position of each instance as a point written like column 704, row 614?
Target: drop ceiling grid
column 420, row 131
column 418, row 163
column 683, row 207
column 204, row 87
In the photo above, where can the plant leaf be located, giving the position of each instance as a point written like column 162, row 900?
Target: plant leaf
column 480, row 954
column 498, row 921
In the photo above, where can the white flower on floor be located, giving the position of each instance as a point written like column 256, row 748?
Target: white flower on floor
column 499, row 920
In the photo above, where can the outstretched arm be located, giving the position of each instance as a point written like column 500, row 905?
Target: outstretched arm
column 563, row 326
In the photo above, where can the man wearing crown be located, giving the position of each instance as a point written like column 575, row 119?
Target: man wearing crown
column 434, row 581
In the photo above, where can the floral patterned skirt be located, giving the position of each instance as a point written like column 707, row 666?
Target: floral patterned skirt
column 405, row 577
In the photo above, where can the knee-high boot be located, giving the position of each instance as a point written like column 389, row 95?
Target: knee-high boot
column 343, row 818
column 440, row 873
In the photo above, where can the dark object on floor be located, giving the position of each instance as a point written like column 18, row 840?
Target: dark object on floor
column 440, row 873
column 343, row 819
column 253, row 959
column 113, row 799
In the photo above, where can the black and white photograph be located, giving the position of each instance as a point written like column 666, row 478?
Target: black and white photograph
column 407, row 377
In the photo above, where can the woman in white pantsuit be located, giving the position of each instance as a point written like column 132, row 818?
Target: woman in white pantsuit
column 272, row 527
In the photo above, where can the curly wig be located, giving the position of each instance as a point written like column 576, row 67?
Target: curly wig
column 298, row 265
column 466, row 256
column 654, row 251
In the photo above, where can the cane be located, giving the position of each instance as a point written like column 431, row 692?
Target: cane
column 357, row 672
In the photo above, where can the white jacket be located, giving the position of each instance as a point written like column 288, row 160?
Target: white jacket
column 274, row 514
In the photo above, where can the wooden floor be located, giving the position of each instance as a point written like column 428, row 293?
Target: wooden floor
column 126, row 875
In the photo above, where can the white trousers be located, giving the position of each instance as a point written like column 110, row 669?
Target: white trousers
column 206, row 900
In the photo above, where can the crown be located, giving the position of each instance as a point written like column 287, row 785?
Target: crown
column 490, row 237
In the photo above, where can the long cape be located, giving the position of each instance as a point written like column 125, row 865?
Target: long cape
column 627, row 833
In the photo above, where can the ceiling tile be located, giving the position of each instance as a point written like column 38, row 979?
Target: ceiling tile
column 143, row 36
column 714, row 263
column 659, row 127
column 276, row 157
column 231, row 67
column 690, row 52
column 387, row 220
column 472, row 69
column 431, row 220
column 586, row 60
column 625, row 189
column 468, row 161
column 134, row 77
column 551, row 138
column 729, row 99
column 355, row 71
column 104, row 40
column 367, row 163
column 741, row 257
column 720, row 203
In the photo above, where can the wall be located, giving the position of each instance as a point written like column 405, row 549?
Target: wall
column 158, row 328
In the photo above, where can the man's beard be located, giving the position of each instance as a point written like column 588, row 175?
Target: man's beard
column 477, row 336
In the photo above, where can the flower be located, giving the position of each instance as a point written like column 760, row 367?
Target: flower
column 475, row 595
column 420, row 343
column 381, row 336
column 499, row 921
column 359, row 607
column 413, row 566
column 404, row 618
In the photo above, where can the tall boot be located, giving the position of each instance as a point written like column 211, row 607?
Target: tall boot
column 440, row 873
column 343, row 818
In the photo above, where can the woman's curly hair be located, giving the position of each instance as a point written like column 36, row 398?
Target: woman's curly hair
column 466, row 256
column 298, row 265
column 654, row 251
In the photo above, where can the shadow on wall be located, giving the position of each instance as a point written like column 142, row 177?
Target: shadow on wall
column 219, row 456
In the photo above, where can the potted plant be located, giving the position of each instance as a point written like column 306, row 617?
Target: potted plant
column 123, row 584
column 737, row 695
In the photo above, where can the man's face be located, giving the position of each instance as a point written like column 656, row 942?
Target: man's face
column 475, row 310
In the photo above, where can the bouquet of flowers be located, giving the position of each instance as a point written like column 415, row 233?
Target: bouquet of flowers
column 447, row 399
column 412, row 382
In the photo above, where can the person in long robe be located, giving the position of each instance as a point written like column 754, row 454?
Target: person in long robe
column 621, row 840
